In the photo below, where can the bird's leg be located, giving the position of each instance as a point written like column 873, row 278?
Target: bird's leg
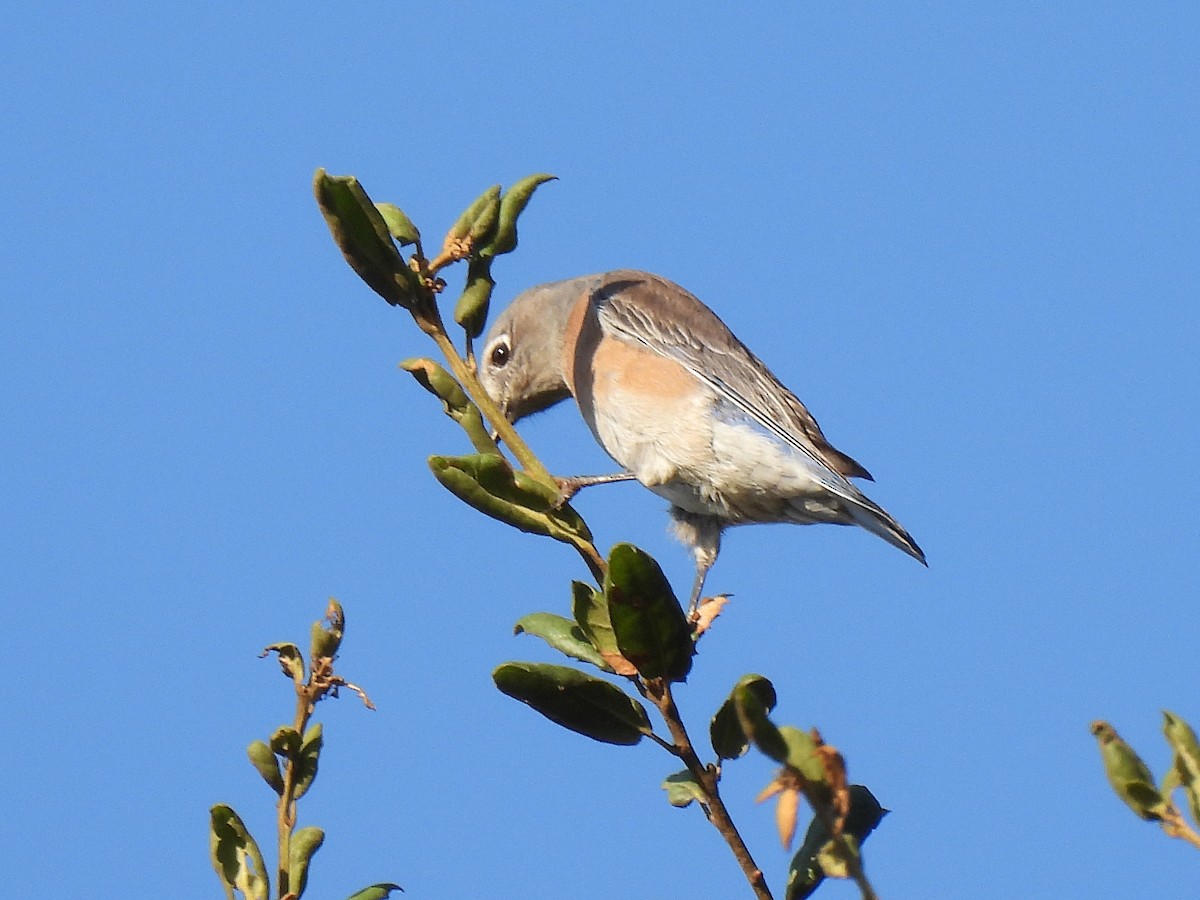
column 569, row 487
column 702, row 568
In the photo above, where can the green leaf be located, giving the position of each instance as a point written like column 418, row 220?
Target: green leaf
column 729, row 740
column 375, row 892
column 488, row 483
column 285, row 741
column 578, row 701
column 752, row 715
column 807, row 870
column 235, row 856
column 512, row 204
column 305, row 842
column 1183, row 741
column 290, row 660
column 682, row 789
column 327, row 633
column 263, row 759
column 471, row 310
column 650, row 626
column 590, row 609
column 475, row 217
column 802, row 755
column 307, row 758
column 563, row 635
column 399, row 225
column 455, row 402
column 1130, row 778
column 362, row 235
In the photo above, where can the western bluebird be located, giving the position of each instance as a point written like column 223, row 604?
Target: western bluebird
column 681, row 404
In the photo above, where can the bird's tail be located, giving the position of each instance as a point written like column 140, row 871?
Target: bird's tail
column 876, row 519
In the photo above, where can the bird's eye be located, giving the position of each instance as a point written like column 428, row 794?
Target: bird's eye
column 500, row 355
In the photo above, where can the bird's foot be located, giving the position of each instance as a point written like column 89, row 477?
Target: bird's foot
column 569, row 487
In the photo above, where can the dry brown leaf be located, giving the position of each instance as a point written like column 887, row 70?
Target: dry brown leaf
column 710, row 608
column 619, row 664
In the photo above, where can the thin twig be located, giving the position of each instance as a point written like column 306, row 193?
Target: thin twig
column 1176, row 826
column 707, row 779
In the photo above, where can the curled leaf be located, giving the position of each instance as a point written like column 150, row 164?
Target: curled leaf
column 682, row 788
column 512, row 204
column 307, row 758
column 327, row 633
column 471, row 311
column 752, row 715
column 285, row 741
column 455, row 402
column 398, row 224
column 290, row 660
column 359, row 230
column 375, row 892
column 235, row 855
column 305, row 842
column 263, row 759
column 488, row 483
column 729, row 739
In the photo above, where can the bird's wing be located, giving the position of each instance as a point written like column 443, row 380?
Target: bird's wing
column 648, row 310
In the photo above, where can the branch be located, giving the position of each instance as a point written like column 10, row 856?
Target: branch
column 660, row 695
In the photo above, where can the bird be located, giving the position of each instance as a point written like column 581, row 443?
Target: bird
column 680, row 404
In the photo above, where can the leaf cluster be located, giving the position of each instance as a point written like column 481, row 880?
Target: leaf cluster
column 287, row 762
column 1132, row 780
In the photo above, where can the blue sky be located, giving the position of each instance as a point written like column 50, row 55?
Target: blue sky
column 966, row 235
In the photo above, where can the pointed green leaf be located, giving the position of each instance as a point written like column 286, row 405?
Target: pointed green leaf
column 267, row 765
column 682, row 789
column 650, row 626
column 399, row 225
column 307, row 758
column 752, row 714
column 235, row 855
column 290, row 660
column 578, row 701
column 375, row 892
column 305, row 842
column 455, row 402
column 512, row 204
column 1129, row 776
column 362, row 235
column 807, row 870
column 563, row 635
column 488, row 483
column 471, row 311
column 729, row 740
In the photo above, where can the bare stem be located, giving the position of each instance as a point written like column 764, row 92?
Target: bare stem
column 429, row 320
column 707, row 779
column 285, row 818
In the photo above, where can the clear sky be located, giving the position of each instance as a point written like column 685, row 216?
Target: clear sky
column 965, row 234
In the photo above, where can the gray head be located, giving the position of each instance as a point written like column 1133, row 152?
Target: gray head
column 521, row 366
